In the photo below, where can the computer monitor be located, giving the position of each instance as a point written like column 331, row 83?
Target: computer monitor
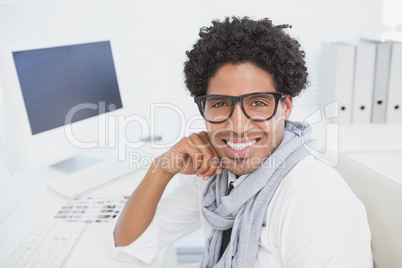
column 54, row 97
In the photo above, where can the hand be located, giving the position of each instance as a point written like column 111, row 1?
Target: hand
column 192, row 155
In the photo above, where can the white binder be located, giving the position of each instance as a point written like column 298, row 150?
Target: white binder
column 380, row 99
column 338, row 77
column 394, row 101
column 363, row 83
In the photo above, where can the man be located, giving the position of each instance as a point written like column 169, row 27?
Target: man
column 286, row 209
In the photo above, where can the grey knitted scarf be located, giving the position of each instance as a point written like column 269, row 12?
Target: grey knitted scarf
column 245, row 208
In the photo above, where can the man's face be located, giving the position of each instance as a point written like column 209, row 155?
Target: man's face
column 243, row 144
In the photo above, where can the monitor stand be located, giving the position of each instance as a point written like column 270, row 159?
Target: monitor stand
column 76, row 163
column 82, row 173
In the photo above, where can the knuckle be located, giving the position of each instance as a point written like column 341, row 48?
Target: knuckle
column 198, row 155
column 215, row 160
column 209, row 155
column 211, row 171
column 193, row 135
column 185, row 140
column 203, row 133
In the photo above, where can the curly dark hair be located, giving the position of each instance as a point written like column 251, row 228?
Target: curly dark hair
column 240, row 40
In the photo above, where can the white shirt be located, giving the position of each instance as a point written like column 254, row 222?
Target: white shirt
column 313, row 220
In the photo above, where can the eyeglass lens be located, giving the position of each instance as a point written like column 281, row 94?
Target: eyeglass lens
column 256, row 107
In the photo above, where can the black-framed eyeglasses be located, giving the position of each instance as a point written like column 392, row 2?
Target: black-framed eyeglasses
column 258, row 106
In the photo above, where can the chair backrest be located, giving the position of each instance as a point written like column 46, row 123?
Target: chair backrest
column 382, row 198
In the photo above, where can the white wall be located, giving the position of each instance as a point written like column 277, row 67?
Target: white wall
column 151, row 38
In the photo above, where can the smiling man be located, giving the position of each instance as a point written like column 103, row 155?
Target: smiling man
column 263, row 201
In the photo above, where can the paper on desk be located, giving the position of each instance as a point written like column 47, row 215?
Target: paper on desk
column 92, row 209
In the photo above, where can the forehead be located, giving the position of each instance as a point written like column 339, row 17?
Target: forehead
column 240, row 79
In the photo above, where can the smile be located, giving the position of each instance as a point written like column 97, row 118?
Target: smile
column 240, row 146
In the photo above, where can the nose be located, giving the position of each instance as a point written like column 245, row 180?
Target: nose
column 238, row 122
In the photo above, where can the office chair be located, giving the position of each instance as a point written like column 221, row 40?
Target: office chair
column 382, row 198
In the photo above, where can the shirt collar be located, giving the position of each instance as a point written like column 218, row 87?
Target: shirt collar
column 236, row 181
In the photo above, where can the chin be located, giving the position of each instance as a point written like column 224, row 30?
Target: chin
column 242, row 166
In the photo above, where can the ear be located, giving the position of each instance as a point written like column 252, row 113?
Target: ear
column 287, row 106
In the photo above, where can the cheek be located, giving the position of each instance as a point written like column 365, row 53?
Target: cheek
column 278, row 130
column 212, row 129
column 274, row 129
column 268, row 126
column 278, row 122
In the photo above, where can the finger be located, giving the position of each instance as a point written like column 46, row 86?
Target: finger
column 220, row 170
column 205, row 156
column 214, row 162
column 197, row 150
column 221, row 167
column 204, row 136
column 188, row 156
column 213, row 169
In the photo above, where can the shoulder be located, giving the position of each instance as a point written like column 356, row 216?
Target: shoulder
column 317, row 185
column 311, row 172
column 312, row 169
column 314, row 209
column 313, row 195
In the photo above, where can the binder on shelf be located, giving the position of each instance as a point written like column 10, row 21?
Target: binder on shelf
column 338, row 77
column 380, row 92
column 363, row 83
column 394, row 100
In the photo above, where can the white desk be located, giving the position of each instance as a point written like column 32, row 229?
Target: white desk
column 37, row 201
column 377, row 146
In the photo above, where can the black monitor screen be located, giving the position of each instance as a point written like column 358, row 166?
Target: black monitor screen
column 80, row 79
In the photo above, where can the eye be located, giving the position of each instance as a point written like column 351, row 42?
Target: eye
column 258, row 103
column 218, row 104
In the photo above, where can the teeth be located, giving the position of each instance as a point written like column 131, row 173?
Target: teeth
column 240, row 146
